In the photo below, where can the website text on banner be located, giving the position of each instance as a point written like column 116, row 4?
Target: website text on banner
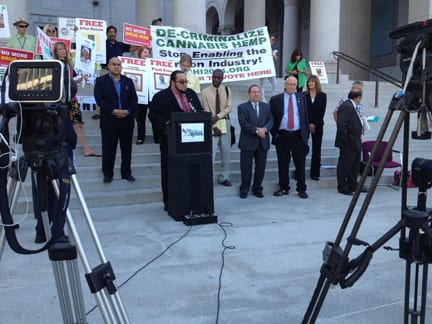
column 243, row 56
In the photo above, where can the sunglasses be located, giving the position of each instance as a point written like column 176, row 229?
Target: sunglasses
column 50, row 30
column 183, row 81
column 22, row 26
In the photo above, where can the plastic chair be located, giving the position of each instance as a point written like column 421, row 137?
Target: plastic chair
column 390, row 163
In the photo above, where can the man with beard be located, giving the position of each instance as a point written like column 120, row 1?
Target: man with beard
column 176, row 98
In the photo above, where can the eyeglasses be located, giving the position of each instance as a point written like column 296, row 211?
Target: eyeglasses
column 183, row 81
column 22, row 26
column 50, row 30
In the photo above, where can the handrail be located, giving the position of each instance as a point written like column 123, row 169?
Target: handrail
column 364, row 66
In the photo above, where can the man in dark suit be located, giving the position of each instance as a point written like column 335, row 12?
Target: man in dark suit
column 348, row 139
column 255, row 121
column 176, row 98
column 116, row 96
column 290, row 134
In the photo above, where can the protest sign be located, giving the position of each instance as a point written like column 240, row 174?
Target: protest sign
column 137, row 70
column 149, row 75
column 4, row 22
column 67, row 28
column 43, row 45
column 136, row 35
column 93, row 30
column 318, row 69
column 243, row 56
column 86, row 55
column 7, row 55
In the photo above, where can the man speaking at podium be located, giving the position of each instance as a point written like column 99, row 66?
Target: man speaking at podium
column 176, row 98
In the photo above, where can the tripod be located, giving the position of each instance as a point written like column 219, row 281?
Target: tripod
column 414, row 226
column 55, row 170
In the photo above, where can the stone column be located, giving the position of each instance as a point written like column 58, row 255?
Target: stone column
column 190, row 14
column 290, row 28
column 324, row 29
column 16, row 8
column 146, row 11
column 254, row 14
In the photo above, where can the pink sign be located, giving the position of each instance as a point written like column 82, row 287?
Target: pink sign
column 136, row 35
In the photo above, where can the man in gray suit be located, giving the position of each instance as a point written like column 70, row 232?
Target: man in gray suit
column 290, row 134
column 255, row 122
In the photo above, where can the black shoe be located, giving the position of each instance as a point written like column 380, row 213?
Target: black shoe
column 345, row 191
column 40, row 238
column 226, row 183
column 315, row 178
column 139, row 142
column 281, row 193
column 258, row 194
column 107, row 180
column 129, row 178
column 96, row 116
column 243, row 195
column 303, row 194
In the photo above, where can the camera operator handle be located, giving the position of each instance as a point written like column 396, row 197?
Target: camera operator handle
column 360, row 265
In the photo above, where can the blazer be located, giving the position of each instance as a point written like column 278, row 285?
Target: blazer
column 164, row 103
column 249, row 121
column 107, row 98
column 349, row 127
column 316, row 109
column 277, row 109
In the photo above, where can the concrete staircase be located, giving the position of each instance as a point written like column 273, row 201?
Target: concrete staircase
column 146, row 166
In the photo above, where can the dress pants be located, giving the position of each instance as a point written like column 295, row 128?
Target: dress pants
column 110, row 138
column 246, row 158
column 223, row 142
column 141, row 113
column 290, row 144
column 164, row 168
column 347, row 169
column 316, row 151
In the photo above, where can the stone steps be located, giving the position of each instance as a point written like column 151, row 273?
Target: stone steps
column 146, row 166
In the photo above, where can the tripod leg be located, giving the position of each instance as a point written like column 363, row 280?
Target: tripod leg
column 114, row 296
column 317, row 300
column 13, row 190
column 64, row 261
column 412, row 313
column 103, row 302
column 424, row 293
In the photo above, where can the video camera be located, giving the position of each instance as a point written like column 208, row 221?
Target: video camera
column 42, row 90
column 422, row 173
column 415, row 48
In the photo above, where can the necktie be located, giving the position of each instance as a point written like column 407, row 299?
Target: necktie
column 185, row 105
column 256, row 110
column 217, row 106
column 290, row 114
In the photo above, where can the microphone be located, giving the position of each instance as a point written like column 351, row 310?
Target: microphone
column 191, row 105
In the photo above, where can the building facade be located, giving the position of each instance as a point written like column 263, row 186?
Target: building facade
column 357, row 28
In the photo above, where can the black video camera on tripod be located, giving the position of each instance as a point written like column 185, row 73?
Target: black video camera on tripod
column 415, row 224
column 415, row 48
column 38, row 93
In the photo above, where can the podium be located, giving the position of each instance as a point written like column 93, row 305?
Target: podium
column 190, row 169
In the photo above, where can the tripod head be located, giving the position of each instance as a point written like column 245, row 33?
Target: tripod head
column 415, row 48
